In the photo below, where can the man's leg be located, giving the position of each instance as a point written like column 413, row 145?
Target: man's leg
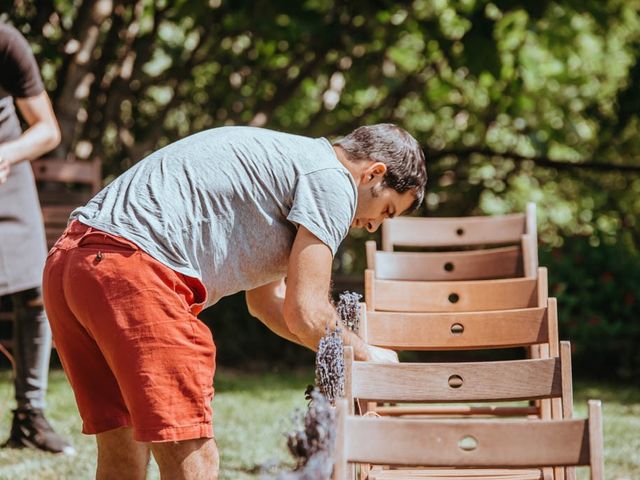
column 32, row 350
column 188, row 459
column 120, row 456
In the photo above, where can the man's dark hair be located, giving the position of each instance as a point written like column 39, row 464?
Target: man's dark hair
column 397, row 149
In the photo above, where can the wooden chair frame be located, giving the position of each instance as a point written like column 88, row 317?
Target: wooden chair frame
column 494, row 263
column 519, row 228
column 478, row 295
column 548, row 379
column 468, row 443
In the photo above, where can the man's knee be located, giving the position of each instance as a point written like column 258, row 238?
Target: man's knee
column 120, row 456
column 189, row 459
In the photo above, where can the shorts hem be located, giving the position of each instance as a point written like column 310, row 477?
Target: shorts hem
column 174, row 434
column 94, row 428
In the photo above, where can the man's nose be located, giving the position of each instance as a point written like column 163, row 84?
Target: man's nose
column 373, row 225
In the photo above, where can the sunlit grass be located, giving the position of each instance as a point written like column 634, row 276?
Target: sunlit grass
column 252, row 411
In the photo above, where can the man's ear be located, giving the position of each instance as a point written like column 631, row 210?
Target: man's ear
column 373, row 171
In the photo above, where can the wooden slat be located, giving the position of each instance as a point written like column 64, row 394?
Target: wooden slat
column 452, row 231
column 453, row 331
column 530, row 240
column 596, row 446
column 519, row 443
column 58, row 214
column 465, row 410
column 456, row 474
column 65, row 171
column 478, row 381
column 406, row 296
column 504, row 262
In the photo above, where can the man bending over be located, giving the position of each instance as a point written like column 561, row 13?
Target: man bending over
column 226, row 210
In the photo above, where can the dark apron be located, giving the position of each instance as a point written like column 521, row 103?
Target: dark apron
column 23, row 245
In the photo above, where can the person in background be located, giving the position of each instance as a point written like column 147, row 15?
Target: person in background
column 22, row 238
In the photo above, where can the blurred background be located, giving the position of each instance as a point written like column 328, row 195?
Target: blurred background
column 514, row 101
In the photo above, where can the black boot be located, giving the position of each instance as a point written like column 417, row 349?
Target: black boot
column 30, row 429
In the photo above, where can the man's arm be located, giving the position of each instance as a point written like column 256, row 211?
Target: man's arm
column 266, row 304
column 307, row 309
column 42, row 135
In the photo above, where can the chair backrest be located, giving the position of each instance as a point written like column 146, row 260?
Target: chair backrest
column 505, row 262
column 461, row 330
column 58, row 203
column 457, row 382
column 472, row 331
column 459, row 296
column 468, row 443
column 519, row 229
column 66, row 171
column 457, row 231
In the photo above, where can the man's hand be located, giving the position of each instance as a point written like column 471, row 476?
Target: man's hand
column 5, row 168
column 382, row 355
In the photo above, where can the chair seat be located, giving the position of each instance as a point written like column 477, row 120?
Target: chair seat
column 455, row 474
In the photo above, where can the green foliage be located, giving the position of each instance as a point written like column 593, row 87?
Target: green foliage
column 598, row 291
column 514, row 100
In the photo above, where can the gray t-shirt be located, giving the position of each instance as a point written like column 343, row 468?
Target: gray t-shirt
column 223, row 205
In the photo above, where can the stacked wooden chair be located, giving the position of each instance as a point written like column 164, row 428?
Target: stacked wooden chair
column 485, row 443
column 473, row 283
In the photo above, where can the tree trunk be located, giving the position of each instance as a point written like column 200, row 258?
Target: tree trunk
column 76, row 82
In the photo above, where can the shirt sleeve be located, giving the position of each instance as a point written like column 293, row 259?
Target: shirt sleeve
column 19, row 73
column 325, row 203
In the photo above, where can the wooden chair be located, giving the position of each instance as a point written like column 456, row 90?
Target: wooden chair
column 547, row 379
column 459, row 296
column 464, row 316
column 458, row 382
column 456, row 296
column 64, row 185
column 459, row 232
column 491, row 444
column 505, row 262
column 402, row 331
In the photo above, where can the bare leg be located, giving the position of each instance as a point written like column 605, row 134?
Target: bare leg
column 120, row 456
column 187, row 460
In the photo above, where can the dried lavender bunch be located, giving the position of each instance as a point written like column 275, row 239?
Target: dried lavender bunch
column 330, row 365
column 348, row 309
column 312, row 445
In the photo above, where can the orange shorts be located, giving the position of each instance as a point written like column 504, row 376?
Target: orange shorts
column 127, row 333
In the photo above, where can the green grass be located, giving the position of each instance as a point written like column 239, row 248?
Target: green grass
column 252, row 411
